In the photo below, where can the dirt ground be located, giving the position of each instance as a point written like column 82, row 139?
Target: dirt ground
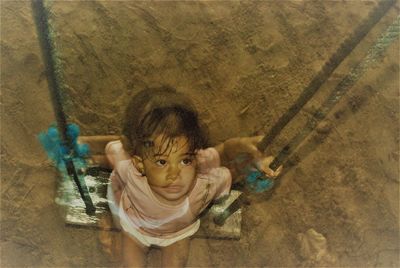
column 243, row 64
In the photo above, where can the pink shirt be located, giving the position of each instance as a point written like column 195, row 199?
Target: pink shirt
column 148, row 214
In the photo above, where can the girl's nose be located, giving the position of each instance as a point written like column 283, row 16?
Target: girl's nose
column 173, row 172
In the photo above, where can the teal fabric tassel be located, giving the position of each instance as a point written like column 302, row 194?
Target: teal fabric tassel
column 58, row 152
column 258, row 182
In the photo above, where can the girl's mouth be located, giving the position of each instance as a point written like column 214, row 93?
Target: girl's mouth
column 173, row 188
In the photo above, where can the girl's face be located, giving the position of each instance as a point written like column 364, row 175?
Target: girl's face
column 171, row 174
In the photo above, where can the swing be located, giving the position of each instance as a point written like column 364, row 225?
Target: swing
column 86, row 203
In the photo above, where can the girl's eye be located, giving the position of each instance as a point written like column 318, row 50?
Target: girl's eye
column 161, row 162
column 187, row 161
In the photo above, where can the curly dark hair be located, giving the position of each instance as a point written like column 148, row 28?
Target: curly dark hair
column 163, row 111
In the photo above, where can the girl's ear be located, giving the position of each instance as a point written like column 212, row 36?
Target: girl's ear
column 138, row 162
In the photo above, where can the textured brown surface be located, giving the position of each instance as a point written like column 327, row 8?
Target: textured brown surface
column 243, row 63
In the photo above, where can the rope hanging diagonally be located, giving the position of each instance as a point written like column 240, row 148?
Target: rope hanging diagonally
column 54, row 78
column 327, row 69
column 373, row 54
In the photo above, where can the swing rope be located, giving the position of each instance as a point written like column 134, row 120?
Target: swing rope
column 55, row 80
column 373, row 55
column 327, row 69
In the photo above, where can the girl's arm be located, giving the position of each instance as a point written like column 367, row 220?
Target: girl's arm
column 98, row 156
column 97, row 144
column 232, row 148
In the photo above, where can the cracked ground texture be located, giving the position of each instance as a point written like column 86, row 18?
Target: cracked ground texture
column 243, row 64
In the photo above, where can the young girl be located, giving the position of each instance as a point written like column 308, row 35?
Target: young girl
column 164, row 175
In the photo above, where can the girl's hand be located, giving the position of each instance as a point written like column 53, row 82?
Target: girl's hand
column 237, row 153
column 249, row 145
column 263, row 165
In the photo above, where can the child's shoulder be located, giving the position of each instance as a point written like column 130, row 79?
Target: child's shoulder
column 115, row 152
column 113, row 146
column 207, row 158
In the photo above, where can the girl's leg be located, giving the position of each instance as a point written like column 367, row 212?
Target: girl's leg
column 110, row 241
column 176, row 255
column 133, row 252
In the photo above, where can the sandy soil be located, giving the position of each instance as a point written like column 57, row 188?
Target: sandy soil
column 244, row 64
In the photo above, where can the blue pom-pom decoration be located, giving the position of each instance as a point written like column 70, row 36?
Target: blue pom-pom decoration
column 257, row 182
column 82, row 150
column 252, row 176
column 73, row 132
column 52, row 133
column 58, row 152
column 64, row 150
column 263, row 185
